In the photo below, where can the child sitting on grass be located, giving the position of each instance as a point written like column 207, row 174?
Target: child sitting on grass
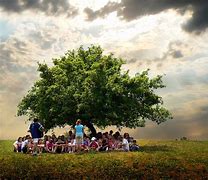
column 25, row 142
column 72, row 144
column 41, row 146
column 104, row 146
column 49, row 145
column 134, row 146
column 94, row 145
column 59, row 145
column 17, row 145
column 86, row 143
column 111, row 143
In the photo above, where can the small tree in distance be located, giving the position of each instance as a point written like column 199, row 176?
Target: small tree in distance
column 88, row 85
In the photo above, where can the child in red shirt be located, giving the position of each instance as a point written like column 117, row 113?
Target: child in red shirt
column 94, row 145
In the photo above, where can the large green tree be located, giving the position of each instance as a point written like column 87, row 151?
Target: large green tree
column 87, row 84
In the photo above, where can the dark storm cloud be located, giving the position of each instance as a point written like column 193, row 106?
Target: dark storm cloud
column 133, row 9
column 49, row 7
column 199, row 21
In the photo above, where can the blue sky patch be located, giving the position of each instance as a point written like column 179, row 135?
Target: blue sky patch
column 6, row 29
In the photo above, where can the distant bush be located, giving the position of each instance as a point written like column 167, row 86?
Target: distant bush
column 184, row 139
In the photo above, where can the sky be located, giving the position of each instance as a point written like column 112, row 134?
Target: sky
column 168, row 37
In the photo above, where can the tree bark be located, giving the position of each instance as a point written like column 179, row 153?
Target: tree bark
column 91, row 127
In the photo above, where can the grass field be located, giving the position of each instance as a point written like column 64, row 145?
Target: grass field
column 155, row 160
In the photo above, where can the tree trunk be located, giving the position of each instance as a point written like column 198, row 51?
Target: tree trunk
column 91, row 127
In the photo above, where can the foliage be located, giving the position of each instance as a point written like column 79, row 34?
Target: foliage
column 90, row 85
column 155, row 160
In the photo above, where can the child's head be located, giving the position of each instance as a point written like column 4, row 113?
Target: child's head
column 70, row 133
column 40, row 141
column 105, row 134
column 134, row 141
column 104, row 141
column 117, row 133
column 126, row 135
column 62, row 137
column 19, row 139
column 27, row 137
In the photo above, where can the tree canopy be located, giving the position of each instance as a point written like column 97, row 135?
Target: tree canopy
column 87, row 84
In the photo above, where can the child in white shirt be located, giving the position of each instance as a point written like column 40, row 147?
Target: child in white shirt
column 125, row 142
column 17, row 145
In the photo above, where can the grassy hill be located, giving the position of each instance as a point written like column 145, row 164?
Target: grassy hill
column 155, row 160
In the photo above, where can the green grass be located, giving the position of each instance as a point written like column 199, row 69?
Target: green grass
column 155, row 160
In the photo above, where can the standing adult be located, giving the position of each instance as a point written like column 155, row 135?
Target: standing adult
column 36, row 130
column 79, row 133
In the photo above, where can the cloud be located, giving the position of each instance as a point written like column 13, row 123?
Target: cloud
column 110, row 7
column 16, row 72
column 11, row 55
column 199, row 21
column 147, row 42
column 174, row 51
column 31, row 42
column 148, row 58
column 49, row 7
column 133, row 9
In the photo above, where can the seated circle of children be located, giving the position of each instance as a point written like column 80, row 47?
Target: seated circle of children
column 67, row 143
column 74, row 142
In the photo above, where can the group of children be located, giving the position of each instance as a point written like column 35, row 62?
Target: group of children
column 67, row 144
